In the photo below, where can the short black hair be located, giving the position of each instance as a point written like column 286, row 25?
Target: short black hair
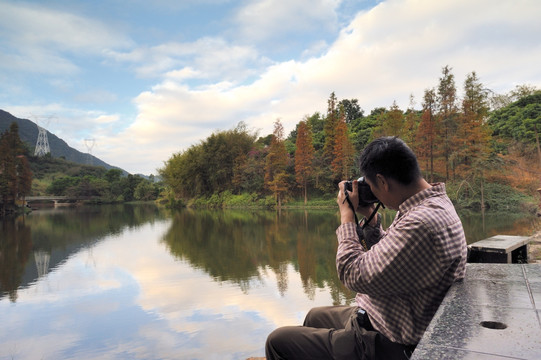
column 390, row 157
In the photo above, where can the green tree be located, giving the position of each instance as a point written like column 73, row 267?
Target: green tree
column 113, row 175
column 145, row 191
column 517, row 123
column 60, row 186
column 276, row 178
column 208, row 167
column 352, row 109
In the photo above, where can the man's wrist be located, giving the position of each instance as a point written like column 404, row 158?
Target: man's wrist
column 347, row 217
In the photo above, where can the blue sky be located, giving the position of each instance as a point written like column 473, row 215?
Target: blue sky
column 146, row 79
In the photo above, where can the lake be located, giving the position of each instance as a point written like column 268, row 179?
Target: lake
column 140, row 282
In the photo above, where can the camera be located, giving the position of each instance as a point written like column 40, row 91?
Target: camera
column 366, row 197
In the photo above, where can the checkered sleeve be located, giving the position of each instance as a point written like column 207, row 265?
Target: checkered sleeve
column 392, row 265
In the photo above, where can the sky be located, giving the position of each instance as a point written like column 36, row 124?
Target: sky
column 148, row 79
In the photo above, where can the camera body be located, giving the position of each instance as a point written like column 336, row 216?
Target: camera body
column 366, row 197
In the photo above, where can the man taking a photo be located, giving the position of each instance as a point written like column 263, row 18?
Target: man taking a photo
column 400, row 275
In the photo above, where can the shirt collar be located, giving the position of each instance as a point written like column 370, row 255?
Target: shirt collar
column 436, row 189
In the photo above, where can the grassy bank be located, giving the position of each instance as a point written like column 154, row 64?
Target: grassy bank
column 496, row 197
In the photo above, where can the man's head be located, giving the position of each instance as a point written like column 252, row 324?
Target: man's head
column 392, row 158
column 392, row 171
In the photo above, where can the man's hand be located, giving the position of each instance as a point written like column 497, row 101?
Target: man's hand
column 346, row 212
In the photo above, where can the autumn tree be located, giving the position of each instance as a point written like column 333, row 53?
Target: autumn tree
column 276, row 177
column 412, row 119
column 473, row 133
column 330, row 127
column 427, row 132
column 391, row 122
column 15, row 174
column 447, row 116
column 304, row 157
column 342, row 150
column 325, row 178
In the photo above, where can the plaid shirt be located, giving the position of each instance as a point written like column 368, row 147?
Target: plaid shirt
column 403, row 278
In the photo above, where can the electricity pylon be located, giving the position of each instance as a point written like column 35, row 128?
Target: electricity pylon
column 42, row 145
column 89, row 143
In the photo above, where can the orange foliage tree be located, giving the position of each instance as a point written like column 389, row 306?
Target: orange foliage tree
column 304, row 157
column 448, row 113
column 342, row 150
column 473, row 132
column 15, row 173
column 392, row 122
column 427, row 132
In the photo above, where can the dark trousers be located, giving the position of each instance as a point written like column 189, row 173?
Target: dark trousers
column 332, row 332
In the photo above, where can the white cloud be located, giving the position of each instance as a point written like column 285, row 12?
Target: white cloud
column 51, row 28
column 159, row 285
column 212, row 59
column 40, row 38
column 395, row 49
column 263, row 19
column 386, row 53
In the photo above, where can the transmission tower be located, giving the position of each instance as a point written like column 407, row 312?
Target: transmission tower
column 89, row 143
column 42, row 262
column 42, row 145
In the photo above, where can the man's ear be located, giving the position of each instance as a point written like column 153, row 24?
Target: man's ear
column 382, row 182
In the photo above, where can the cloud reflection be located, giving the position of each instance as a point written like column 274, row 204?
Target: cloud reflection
column 129, row 297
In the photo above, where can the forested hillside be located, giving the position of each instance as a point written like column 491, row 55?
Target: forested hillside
column 482, row 144
column 23, row 174
column 28, row 132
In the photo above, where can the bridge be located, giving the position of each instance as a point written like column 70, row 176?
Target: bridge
column 56, row 200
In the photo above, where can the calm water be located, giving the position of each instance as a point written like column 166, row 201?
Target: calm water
column 136, row 282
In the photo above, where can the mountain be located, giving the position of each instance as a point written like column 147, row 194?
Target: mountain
column 28, row 132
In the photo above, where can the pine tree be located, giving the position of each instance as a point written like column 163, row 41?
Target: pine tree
column 342, row 150
column 304, row 157
column 330, row 128
column 447, row 115
column 276, row 177
column 15, row 174
column 427, row 132
column 474, row 132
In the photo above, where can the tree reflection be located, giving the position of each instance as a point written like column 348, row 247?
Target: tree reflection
column 47, row 237
column 15, row 248
column 238, row 245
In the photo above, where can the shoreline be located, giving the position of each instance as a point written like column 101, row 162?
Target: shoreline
column 534, row 249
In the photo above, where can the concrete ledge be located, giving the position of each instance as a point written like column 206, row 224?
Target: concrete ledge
column 500, row 249
column 495, row 313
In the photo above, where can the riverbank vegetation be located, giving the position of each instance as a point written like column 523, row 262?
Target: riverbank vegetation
column 23, row 174
column 483, row 145
column 15, row 173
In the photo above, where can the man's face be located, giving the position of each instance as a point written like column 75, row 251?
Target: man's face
column 380, row 190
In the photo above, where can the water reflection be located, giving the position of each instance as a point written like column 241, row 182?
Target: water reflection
column 135, row 282
column 234, row 245
column 32, row 245
column 211, row 285
column 15, row 249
